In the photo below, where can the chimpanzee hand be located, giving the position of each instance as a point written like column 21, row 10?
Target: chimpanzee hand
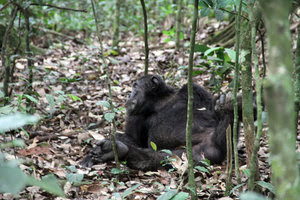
column 103, row 152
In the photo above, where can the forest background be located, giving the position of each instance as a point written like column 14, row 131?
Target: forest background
column 58, row 68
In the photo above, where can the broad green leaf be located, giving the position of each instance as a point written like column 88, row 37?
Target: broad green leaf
column 252, row 196
column 74, row 98
column 116, row 171
column 167, row 151
column 219, row 14
column 130, row 190
column 200, row 48
column 7, row 110
column 12, row 179
column 109, row 116
column 31, row 98
column 17, row 120
column 72, row 168
column 267, row 185
column 209, row 51
column 48, row 183
column 181, row 196
column 202, row 169
column 103, row 103
column 231, row 54
column 236, row 187
column 243, row 55
column 247, row 172
column 153, row 145
column 167, row 195
column 51, row 101
column 74, row 178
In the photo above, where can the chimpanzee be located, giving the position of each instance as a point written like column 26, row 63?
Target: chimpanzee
column 157, row 113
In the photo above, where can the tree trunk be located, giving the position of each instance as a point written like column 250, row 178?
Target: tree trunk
column 280, row 100
column 254, row 169
column 5, row 63
column 247, row 94
column 235, row 87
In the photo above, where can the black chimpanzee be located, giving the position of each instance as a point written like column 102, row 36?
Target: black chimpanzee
column 157, row 113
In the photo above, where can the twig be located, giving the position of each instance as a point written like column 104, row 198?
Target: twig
column 3, row 7
column 62, row 8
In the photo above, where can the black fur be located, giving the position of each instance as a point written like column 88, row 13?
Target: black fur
column 157, row 113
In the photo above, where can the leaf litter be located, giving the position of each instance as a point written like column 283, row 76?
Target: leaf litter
column 70, row 127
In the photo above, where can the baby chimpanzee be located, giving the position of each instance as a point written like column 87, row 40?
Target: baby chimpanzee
column 157, row 113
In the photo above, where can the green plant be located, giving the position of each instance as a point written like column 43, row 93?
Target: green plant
column 109, row 116
column 59, row 99
column 12, row 178
column 127, row 192
column 171, row 35
column 173, row 195
column 74, row 177
column 218, row 61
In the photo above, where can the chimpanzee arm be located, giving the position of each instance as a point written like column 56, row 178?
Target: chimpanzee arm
column 136, row 132
column 135, row 135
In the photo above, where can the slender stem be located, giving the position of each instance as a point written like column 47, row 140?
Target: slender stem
column 113, row 137
column 192, row 183
column 145, row 37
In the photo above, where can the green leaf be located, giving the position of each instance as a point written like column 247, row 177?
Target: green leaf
column 51, row 101
column 202, row 169
column 167, row 151
column 114, row 61
column 219, row 15
column 181, row 196
column 12, row 179
column 252, row 196
column 231, row 53
column 17, row 120
column 71, row 168
column 247, row 172
column 74, row 178
column 103, row 103
column 109, row 116
column 153, row 145
column 167, row 195
column 236, row 187
column 209, row 51
column 31, row 98
column 74, row 98
column 200, row 48
column 130, row 190
column 7, row 110
column 267, row 185
column 116, row 171
column 48, row 183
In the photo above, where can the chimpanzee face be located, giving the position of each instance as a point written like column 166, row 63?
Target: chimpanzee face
column 142, row 95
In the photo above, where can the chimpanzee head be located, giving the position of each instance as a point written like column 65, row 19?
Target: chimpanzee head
column 145, row 93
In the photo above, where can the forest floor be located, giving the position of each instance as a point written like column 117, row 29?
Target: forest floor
column 70, row 126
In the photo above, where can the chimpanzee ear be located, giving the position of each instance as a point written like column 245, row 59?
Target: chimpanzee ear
column 155, row 82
